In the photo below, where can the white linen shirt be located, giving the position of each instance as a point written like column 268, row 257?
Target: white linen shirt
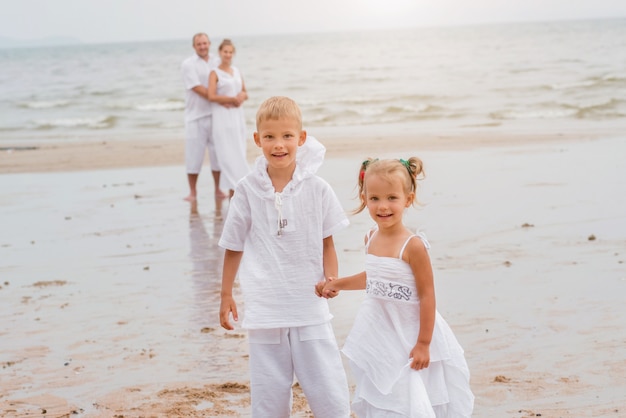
column 278, row 273
column 195, row 72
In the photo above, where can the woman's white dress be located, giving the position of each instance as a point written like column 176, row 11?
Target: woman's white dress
column 378, row 346
column 229, row 131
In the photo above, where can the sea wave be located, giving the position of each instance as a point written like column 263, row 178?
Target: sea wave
column 532, row 114
column 43, row 104
column 330, row 118
column 99, row 93
column 154, row 105
column 422, row 109
column 608, row 80
column 611, row 108
column 379, row 114
column 524, row 70
column 159, row 105
column 419, row 100
column 101, row 122
column 621, row 78
column 572, row 85
column 162, row 125
column 373, row 100
column 607, row 110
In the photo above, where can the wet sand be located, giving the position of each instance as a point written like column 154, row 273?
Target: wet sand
column 109, row 281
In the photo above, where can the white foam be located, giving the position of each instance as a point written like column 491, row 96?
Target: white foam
column 100, row 122
column 160, row 105
column 42, row 104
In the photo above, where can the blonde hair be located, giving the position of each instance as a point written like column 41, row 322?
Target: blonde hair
column 409, row 170
column 226, row 42
column 279, row 107
column 193, row 40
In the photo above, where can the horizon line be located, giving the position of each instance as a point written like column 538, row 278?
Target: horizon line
column 73, row 41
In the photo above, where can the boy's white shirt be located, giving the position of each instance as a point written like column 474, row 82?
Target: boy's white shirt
column 278, row 273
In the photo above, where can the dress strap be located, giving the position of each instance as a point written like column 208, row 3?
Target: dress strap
column 404, row 246
column 370, row 234
column 421, row 236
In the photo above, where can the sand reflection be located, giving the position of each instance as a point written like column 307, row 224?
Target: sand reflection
column 206, row 259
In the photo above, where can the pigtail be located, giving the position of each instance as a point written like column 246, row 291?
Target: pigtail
column 415, row 167
column 360, row 183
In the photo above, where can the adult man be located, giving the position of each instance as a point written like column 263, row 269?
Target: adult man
column 195, row 71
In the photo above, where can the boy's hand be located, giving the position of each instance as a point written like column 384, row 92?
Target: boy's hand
column 228, row 306
column 319, row 288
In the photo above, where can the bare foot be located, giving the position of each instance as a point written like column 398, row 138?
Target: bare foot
column 190, row 198
column 218, row 208
column 194, row 207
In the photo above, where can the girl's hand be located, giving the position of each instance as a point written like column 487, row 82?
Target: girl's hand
column 330, row 291
column 420, row 356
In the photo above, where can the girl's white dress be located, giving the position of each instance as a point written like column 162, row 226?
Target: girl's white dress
column 378, row 346
column 229, row 131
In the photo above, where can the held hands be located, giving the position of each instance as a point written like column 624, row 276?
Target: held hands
column 420, row 356
column 235, row 101
column 228, row 306
column 240, row 98
column 326, row 289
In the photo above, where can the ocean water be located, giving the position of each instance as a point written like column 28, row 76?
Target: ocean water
column 510, row 77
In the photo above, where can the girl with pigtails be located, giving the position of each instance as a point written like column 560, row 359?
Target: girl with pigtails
column 404, row 357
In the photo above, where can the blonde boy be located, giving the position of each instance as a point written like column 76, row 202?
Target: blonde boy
column 278, row 237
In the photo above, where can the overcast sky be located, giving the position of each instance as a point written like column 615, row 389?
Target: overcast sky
column 136, row 20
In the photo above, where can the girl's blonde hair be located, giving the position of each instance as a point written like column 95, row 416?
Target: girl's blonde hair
column 279, row 107
column 226, row 42
column 409, row 170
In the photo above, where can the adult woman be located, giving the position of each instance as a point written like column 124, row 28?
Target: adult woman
column 227, row 92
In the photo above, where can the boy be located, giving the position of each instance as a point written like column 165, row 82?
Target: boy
column 279, row 227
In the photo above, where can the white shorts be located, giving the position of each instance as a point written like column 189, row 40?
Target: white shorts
column 198, row 137
column 311, row 354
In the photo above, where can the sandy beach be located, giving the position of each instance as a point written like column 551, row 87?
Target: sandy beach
column 109, row 281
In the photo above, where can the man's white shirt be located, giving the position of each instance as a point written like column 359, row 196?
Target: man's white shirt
column 195, row 72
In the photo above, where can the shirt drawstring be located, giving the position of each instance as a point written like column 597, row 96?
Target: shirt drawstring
column 278, row 204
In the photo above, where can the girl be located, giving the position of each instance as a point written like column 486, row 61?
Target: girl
column 227, row 92
column 404, row 356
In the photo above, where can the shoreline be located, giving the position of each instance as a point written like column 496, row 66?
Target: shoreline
column 58, row 156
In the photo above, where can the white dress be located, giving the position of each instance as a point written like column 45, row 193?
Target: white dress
column 229, row 131
column 378, row 346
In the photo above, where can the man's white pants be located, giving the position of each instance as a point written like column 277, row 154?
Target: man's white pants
column 198, row 138
column 311, row 354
